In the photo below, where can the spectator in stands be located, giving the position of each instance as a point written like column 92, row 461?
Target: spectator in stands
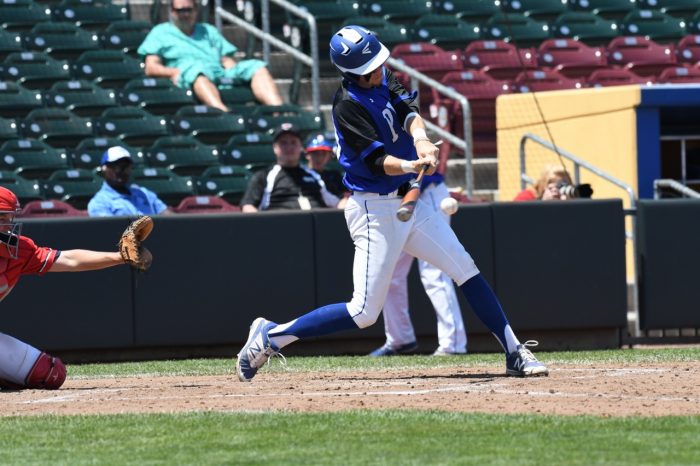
column 117, row 196
column 287, row 185
column 319, row 151
column 546, row 187
column 195, row 55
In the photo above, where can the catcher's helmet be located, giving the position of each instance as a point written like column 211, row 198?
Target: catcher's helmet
column 357, row 51
column 9, row 230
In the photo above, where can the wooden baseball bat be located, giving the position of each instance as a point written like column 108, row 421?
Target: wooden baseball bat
column 408, row 204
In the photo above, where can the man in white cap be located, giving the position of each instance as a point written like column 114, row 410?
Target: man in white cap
column 117, row 196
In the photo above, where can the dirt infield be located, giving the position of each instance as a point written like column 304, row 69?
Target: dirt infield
column 607, row 390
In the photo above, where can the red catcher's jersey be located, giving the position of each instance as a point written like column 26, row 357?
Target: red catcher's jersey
column 31, row 259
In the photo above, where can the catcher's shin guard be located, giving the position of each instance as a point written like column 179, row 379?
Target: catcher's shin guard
column 48, row 373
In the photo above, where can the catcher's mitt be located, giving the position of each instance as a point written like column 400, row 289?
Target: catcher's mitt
column 130, row 246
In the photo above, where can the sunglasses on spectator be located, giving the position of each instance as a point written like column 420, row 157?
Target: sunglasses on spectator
column 181, row 11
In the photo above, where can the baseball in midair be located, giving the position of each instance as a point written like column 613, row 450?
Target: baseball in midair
column 449, row 205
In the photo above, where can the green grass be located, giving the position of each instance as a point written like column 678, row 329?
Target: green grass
column 392, row 437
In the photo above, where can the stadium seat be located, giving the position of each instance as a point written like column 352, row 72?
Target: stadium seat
column 234, row 95
column 132, row 125
column 693, row 26
column 541, row 10
column 125, row 36
column 571, row 58
column 682, row 74
column 89, row 152
column 389, row 33
column 403, row 10
column 209, row 125
column 83, row 98
column 641, row 55
column 226, row 181
column 608, row 9
column 268, row 117
column 108, row 68
column 9, row 42
column 481, row 90
column 60, row 40
column 22, row 15
column 16, row 101
column 252, row 151
column 586, row 27
column 35, row 70
column 25, row 190
column 678, row 8
column 74, row 186
column 169, row 187
column 516, row 28
column 183, row 155
column 653, row 24
column 476, row 11
column 329, row 15
column 205, row 205
column 156, row 95
column 91, row 14
column 31, row 158
column 445, row 31
column 544, row 80
column 50, row 208
column 499, row 59
column 56, row 126
column 616, row 77
column 688, row 49
column 8, row 130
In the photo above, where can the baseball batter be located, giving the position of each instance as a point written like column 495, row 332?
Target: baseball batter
column 22, row 365
column 382, row 145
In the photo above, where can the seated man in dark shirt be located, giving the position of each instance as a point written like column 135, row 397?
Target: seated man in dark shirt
column 286, row 185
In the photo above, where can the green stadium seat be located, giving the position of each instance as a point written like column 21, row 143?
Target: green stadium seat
column 108, row 68
column 132, row 125
column 91, row 14
column 236, row 94
column 541, row 10
column 88, row 153
column 35, row 70
column 25, row 190
column 476, row 11
column 169, row 187
column 8, row 130
column 268, row 117
column 74, row 186
column 608, row 9
column 445, row 31
column 156, row 95
column 516, row 28
column 226, row 181
column 209, row 125
column 404, row 10
column 125, row 36
column 31, row 158
column 22, row 15
column 9, row 42
column 252, row 151
column 653, row 24
column 56, row 126
column 81, row 97
column 586, row 27
column 60, row 40
column 693, row 25
column 390, row 34
column 16, row 101
column 677, row 8
column 184, row 155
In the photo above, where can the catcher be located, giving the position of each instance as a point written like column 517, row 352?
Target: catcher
column 22, row 365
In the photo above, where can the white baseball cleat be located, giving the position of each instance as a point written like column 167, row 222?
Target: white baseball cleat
column 257, row 350
column 522, row 363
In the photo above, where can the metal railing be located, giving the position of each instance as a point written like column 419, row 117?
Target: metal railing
column 676, row 186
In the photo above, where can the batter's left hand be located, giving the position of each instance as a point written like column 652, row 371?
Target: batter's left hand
column 427, row 154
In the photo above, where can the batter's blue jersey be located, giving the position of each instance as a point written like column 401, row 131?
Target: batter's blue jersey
column 371, row 120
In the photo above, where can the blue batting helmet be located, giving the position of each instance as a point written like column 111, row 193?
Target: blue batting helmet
column 357, row 50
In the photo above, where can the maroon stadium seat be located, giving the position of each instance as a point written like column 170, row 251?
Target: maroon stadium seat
column 51, row 208
column 643, row 56
column 679, row 74
column 205, row 205
column 498, row 58
column 688, row 49
column 570, row 57
column 616, row 77
column 544, row 80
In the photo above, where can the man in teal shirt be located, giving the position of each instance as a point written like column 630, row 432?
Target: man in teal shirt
column 195, row 55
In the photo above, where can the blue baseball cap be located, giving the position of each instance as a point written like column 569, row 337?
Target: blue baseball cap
column 114, row 154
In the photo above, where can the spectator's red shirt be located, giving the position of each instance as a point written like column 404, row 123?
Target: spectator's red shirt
column 525, row 195
column 31, row 259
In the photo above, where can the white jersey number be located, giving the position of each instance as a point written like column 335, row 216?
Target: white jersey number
column 388, row 115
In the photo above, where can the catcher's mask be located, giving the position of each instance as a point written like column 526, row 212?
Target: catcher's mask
column 9, row 230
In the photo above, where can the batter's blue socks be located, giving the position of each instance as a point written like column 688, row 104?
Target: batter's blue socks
column 487, row 307
column 322, row 321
